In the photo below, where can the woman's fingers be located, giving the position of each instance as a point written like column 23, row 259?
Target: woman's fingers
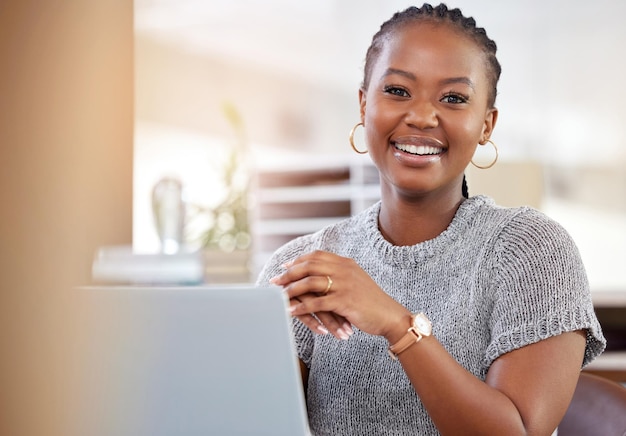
column 317, row 263
column 335, row 324
column 314, row 284
column 322, row 322
column 338, row 293
column 313, row 323
column 304, row 281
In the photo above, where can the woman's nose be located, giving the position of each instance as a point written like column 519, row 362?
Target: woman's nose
column 422, row 115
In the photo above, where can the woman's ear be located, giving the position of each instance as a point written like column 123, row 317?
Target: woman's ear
column 491, row 117
column 362, row 99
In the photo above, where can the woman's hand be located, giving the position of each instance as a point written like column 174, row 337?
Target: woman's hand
column 339, row 293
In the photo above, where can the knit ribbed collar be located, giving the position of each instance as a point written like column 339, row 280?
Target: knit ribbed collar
column 412, row 254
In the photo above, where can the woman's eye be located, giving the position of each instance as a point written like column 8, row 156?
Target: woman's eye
column 454, row 98
column 397, row 91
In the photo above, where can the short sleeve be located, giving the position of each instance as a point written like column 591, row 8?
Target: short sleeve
column 540, row 287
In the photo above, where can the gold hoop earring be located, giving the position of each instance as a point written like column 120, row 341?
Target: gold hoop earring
column 352, row 139
column 484, row 167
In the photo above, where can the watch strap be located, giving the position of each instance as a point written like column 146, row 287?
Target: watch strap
column 411, row 337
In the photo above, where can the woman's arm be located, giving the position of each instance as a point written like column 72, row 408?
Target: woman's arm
column 526, row 390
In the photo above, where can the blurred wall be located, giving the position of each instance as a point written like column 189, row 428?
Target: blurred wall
column 66, row 131
column 187, row 89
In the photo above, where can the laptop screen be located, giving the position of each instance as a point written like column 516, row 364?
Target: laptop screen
column 200, row 360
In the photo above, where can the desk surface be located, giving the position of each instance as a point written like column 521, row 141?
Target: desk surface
column 616, row 298
column 609, row 360
column 611, row 365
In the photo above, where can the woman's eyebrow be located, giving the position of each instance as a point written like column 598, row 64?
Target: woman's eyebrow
column 406, row 74
column 463, row 80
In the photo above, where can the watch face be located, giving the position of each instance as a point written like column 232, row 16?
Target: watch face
column 422, row 324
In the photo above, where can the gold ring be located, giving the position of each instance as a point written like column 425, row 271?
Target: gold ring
column 330, row 283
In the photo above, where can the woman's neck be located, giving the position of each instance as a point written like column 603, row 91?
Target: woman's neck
column 409, row 221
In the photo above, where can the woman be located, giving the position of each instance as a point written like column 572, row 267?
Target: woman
column 432, row 312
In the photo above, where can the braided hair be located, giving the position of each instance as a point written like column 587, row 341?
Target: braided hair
column 439, row 14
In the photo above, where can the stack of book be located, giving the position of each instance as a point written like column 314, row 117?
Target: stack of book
column 119, row 264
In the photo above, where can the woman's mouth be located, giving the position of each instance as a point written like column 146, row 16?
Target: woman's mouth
column 419, row 150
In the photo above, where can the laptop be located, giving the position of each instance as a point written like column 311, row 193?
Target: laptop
column 201, row 360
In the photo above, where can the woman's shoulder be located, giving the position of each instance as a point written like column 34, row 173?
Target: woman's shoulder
column 523, row 229
column 524, row 219
column 348, row 228
column 330, row 238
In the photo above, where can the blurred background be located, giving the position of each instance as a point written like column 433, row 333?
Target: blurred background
column 292, row 70
column 100, row 100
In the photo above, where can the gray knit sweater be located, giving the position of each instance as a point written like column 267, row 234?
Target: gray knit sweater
column 495, row 280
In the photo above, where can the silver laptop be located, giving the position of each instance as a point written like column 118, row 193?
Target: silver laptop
column 189, row 361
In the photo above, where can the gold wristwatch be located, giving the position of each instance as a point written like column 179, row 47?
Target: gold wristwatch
column 420, row 327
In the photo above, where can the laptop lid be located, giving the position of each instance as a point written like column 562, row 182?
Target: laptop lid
column 189, row 361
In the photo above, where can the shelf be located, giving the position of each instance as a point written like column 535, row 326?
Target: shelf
column 306, row 195
column 299, row 194
column 299, row 226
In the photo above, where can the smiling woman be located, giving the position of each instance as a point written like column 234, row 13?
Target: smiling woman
column 485, row 310
column 559, row 128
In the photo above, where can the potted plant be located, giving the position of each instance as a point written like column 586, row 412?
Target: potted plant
column 227, row 240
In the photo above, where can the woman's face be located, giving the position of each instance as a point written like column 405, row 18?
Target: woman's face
column 425, row 108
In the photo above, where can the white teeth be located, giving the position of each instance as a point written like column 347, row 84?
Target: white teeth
column 418, row 149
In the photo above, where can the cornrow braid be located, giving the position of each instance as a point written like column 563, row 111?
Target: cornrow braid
column 436, row 14
column 464, row 188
